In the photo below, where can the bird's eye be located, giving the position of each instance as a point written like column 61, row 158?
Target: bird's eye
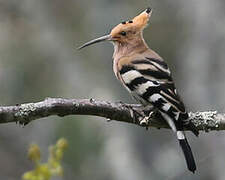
column 123, row 33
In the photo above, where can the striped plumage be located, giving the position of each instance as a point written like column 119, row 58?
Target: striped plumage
column 149, row 81
column 147, row 77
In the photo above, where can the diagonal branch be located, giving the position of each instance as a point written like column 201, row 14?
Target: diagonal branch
column 130, row 113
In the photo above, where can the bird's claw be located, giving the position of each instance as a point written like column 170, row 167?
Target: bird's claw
column 145, row 121
column 144, row 118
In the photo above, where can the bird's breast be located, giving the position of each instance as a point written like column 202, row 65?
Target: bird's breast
column 116, row 69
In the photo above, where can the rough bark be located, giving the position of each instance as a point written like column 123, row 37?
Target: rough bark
column 130, row 113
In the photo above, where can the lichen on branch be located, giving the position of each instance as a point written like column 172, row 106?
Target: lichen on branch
column 130, row 113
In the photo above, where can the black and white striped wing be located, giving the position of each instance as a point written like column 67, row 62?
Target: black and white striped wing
column 150, row 81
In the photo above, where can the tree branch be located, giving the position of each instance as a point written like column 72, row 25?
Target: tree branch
column 130, row 113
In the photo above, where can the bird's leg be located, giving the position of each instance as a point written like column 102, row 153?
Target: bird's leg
column 134, row 113
column 142, row 113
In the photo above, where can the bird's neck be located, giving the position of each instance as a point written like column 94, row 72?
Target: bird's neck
column 122, row 49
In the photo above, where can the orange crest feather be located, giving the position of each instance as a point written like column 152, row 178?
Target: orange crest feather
column 138, row 24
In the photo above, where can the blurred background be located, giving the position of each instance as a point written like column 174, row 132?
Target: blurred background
column 38, row 59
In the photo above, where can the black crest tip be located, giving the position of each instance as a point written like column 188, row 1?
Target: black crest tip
column 148, row 10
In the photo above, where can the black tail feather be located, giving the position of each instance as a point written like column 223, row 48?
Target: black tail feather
column 188, row 154
column 193, row 128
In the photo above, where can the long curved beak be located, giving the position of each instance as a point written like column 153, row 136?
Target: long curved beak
column 97, row 40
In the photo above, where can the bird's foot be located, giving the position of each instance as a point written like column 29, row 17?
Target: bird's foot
column 149, row 111
column 143, row 114
column 134, row 113
column 145, row 121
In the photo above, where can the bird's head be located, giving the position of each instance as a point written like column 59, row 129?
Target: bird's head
column 125, row 32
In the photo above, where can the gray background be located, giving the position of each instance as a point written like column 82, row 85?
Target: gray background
column 38, row 59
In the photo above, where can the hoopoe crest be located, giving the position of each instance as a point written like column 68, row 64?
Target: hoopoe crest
column 147, row 77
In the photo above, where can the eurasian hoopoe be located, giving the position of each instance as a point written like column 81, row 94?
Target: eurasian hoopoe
column 147, row 77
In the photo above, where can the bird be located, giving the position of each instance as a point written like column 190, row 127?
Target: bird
column 147, row 77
